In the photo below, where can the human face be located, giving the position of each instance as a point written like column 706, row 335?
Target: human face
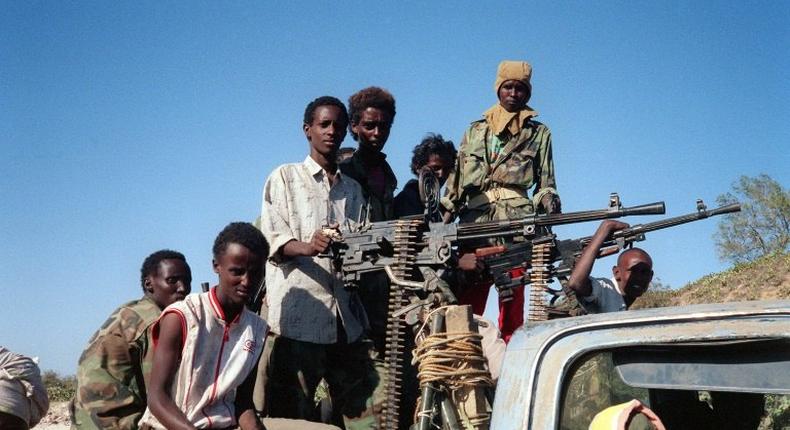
column 373, row 129
column 633, row 274
column 327, row 131
column 441, row 168
column 171, row 283
column 240, row 272
column 513, row 95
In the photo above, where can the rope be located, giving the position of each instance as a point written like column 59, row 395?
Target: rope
column 452, row 360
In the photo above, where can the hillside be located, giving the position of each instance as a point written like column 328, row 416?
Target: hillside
column 766, row 278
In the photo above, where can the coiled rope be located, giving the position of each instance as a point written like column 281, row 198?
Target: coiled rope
column 452, row 360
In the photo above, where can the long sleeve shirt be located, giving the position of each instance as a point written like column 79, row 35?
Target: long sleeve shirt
column 114, row 367
column 488, row 164
column 304, row 295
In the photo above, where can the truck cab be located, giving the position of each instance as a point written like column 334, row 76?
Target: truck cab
column 701, row 366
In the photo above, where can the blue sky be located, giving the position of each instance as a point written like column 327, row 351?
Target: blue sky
column 134, row 126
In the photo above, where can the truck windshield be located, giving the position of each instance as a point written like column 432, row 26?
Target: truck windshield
column 695, row 386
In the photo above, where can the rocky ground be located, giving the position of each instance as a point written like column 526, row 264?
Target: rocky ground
column 57, row 418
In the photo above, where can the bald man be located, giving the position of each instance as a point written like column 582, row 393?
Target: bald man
column 630, row 277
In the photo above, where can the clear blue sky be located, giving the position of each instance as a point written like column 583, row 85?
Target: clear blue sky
column 126, row 127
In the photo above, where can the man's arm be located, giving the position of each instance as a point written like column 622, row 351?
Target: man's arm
column 167, row 355
column 245, row 409
column 545, row 193
column 275, row 223
column 580, row 276
column 452, row 195
column 102, row 393
column 275, row 215
column 318, row 244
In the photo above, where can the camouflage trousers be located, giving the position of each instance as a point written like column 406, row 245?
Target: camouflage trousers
column 296, row 368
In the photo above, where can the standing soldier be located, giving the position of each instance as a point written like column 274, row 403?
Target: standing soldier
column 502, row 157
column 371, row 113
column 318, row 322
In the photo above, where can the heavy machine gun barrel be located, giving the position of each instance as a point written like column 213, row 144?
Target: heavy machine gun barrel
column 501, row 260
column 526, row 226
column 625, row 237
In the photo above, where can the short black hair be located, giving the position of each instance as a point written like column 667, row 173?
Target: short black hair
column 374, row 97
column 432, row 144
column 244, row 234
column 309, row 111
column 630, row 251
column 151, row 263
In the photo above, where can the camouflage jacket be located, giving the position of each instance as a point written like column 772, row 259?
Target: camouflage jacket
column 524, row 162
column 114, row 369
column 381, row 206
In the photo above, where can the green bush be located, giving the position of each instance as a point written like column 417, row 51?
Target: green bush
column 59, row 389
column 777, row 413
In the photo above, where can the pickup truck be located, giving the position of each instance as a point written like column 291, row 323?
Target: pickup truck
column 701, row 366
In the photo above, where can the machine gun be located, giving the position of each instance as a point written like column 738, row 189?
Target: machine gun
column 411, row 250
column 540, row 255
column 412, row 242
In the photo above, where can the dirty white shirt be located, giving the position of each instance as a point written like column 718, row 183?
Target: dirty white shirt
column 605, row 297
column 303, row 294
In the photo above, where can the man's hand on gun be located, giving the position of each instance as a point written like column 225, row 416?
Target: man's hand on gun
column 468, row 262
column 606, row 228
column 318, row 244
column 551, row 203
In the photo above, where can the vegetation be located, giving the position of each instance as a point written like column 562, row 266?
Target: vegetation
column 765, row 278
column 763, row 225
column 59, row 389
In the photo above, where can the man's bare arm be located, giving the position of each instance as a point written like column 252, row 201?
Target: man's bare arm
column 580, row 276
column 245, row 409
column 167, row 355
column 318, row 244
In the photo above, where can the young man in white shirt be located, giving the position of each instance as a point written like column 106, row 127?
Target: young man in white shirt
column 318, row 322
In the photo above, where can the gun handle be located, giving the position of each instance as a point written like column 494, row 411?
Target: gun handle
column 605, row 252
column 489, row 250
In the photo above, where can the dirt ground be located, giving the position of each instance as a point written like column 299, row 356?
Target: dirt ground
column 57, row 418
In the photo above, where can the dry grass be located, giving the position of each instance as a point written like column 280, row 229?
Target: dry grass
column 767, row 278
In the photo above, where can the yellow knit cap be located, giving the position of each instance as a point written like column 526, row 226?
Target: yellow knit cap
column 515, row 70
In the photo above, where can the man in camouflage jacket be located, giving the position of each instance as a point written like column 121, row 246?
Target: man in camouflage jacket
column 115, row 366
column 502, row 157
